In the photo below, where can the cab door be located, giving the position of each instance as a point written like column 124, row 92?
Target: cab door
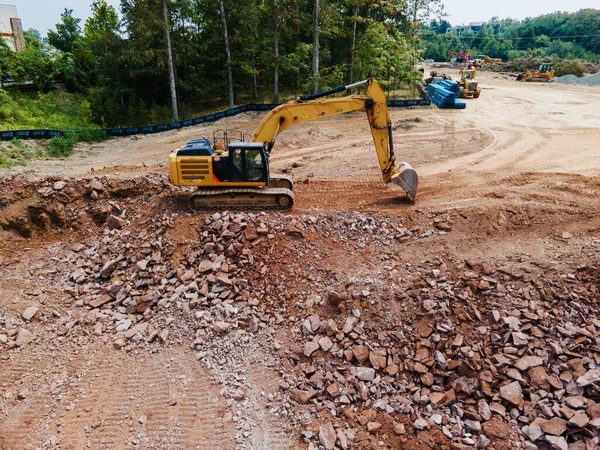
column 237, row 164
column 256, row 167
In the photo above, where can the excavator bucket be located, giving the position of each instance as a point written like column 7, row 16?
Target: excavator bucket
column 407, row 179
column 520, row 76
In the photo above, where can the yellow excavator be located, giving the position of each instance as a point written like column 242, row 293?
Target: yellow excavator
column 233, row 171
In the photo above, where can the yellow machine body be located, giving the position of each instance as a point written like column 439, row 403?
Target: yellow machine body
column 543, row 74
column 469, row 87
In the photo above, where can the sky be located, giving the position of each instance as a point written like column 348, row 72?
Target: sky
column 465, row 11
column 44, row 14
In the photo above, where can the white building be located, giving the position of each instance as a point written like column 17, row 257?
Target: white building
column 462, row 29
column 11, row 29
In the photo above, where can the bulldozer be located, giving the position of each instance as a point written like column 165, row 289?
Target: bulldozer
column 468, row 84
column 233, row 172
column 544, row 74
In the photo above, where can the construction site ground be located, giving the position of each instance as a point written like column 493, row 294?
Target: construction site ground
column 490, row 279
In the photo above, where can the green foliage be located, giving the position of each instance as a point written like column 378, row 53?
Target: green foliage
column 53, row 110
column 569, row 67
column 564, row 35
column 67, row 33
column 89, row 136
column 61, row 146
column 17, row 153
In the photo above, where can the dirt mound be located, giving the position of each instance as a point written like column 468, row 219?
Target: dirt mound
column 590, row 80
column 330, row 328
column 56, row 204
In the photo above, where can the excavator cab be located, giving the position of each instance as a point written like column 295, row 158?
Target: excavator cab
column 245, row 161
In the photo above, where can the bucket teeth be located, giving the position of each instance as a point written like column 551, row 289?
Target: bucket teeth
column 408, row 180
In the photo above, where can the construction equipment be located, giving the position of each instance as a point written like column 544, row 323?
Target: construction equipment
column 459, row 57
column 468, row 84
column 233, row 172
column 479, row 60
column 544, row 73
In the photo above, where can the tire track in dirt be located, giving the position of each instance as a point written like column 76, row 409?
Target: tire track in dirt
column 21, row 426
column 93, row 410
column 200, row 409
column 270, row 430
column 27, row 417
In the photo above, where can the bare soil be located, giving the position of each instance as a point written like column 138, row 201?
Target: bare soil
column 515, row 177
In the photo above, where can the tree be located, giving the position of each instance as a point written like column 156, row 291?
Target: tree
column 31, row 64
column 170, row 68
column 315, row 57
column 35, row 34
column 227, row 54
column 67, row 33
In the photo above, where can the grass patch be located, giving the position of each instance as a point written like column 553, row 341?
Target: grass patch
column 51, row 110
column 17, row 152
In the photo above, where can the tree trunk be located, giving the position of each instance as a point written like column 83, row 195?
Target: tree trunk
column 227, row 54
column 254, row 79
column 297, row 25
column 353, row 46
column 315, row 65
column 170, row 63
column 276, row 44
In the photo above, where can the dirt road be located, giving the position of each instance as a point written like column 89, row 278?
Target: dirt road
column 507, row 221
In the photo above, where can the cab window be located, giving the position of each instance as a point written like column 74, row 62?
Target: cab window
column 237, row 159
column 254, row 165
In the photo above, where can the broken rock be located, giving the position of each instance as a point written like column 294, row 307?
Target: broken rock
column 29, row 313
column 327, row 436
column 512, row 393
column 24, row 337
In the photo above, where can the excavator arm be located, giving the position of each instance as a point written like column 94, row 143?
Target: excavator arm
column 313, row 107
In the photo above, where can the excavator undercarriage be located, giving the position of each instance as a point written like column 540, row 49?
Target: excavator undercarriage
column 277, row 196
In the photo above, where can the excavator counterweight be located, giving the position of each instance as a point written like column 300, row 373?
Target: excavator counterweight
column 234, row 173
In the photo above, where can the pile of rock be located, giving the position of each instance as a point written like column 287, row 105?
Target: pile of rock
column 461, row 365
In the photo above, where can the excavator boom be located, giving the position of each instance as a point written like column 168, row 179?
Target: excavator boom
column 374, row 102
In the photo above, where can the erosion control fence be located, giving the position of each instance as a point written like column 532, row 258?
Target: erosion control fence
column 48, row 134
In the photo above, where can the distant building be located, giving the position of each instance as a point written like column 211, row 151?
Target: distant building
column 462, row 29
column 11, row 29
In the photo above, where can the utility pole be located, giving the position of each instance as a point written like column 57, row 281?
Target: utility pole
column 227, row 54
column 170, row 67
column 274, row 10
column 316, row 49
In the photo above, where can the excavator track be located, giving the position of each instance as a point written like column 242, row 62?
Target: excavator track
column 281, row 181
column 242, row 199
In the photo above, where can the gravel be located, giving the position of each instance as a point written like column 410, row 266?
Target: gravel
column 590, row 80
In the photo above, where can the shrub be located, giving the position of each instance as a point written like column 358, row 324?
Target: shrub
column 61, row 146
column 569, row 67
